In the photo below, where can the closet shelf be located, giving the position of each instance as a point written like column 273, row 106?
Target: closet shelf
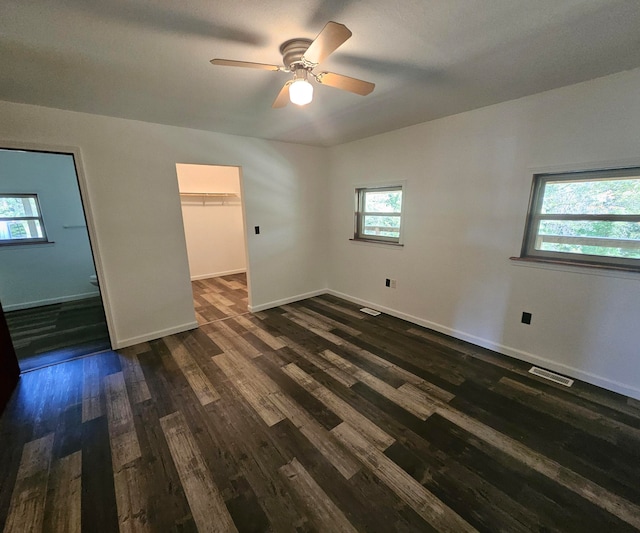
column 204, row 195
column 216, row 194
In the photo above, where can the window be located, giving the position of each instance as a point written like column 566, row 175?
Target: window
column 378, row 214
column 20, row 219
column 585, row 217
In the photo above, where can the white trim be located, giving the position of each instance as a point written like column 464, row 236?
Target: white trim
column 594, row 379
column 218, row 274
column 50, row 301
column 247, row 255
column 123, row 343
column 380, row 184
column 284, row 301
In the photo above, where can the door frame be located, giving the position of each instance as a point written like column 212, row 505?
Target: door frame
column 85, row 198
column 9, row 369
column 243, row 206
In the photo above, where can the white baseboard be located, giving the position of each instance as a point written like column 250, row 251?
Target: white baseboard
column 594, row 379
column 218, row 274
column 284, row 301
column 50, row 301
column 123, row 343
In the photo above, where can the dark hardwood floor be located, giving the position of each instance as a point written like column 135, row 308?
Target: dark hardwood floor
column 313, row 417
column 55, row 333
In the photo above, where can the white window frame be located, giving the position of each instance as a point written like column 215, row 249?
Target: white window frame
column 359, row 214
column 38, row 217
column 534, row 217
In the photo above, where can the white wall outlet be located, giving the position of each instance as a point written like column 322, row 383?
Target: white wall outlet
column 393, row 283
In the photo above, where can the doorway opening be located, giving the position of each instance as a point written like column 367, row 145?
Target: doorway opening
column 213, row 219
column 49, row 287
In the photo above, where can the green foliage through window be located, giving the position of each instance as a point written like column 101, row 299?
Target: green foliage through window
column 20, row 219
column 591, row 217
column 378, row 214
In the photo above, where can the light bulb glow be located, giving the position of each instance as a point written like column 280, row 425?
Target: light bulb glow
column 300, row 92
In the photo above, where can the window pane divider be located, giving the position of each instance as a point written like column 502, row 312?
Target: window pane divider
column 578, row 217
column 609, row 242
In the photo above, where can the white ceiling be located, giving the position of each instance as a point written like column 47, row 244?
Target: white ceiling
column 149, row 59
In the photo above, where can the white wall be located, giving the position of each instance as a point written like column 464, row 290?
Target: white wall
column 130, row 170
column 468, row 184
column 42, row 274
column 213, row 227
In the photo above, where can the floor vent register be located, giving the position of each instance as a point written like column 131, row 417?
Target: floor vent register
column 551, row 376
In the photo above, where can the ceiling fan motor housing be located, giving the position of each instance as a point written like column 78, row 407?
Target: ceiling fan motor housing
column 292, row 52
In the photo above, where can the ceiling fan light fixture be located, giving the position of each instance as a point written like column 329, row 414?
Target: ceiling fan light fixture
column 301, row 56
column 300, row 90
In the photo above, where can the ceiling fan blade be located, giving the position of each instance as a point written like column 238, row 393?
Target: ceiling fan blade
column 283, row 96
column 346, row 83
column 328, row 40
column 246, row 64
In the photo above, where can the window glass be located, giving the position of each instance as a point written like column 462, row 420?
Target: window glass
column 586, row 217
column 605, row 196
column 378, row 214
column 383, row 201
column 20, row 219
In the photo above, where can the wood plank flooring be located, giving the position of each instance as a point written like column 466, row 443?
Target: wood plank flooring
column 54, row 333
column 218, row 298
column 312, row 417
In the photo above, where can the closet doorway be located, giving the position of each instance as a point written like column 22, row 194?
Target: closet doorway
column 212, row 212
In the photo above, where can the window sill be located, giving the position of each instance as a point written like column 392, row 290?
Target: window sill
column 373, row 241
column 582, row 268
column 14, row 244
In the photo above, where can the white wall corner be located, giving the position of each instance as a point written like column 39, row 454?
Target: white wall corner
column 288, row 300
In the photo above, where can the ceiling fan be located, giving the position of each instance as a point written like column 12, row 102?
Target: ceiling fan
column 301, row 57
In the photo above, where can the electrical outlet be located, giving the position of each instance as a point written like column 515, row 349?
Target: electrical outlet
column 257, row 230
column 387, row 282
column 526, row 317
column 393, row 283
